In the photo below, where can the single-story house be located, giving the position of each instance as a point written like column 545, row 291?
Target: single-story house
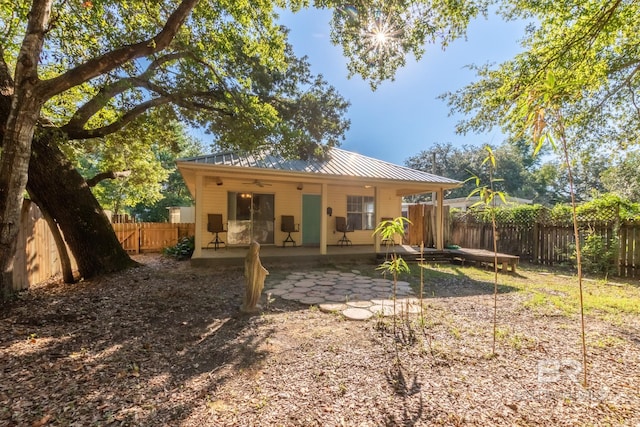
column 254, row 193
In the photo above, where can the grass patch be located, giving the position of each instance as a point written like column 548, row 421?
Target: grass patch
column 547, row 293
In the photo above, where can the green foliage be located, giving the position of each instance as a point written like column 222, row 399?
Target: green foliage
column 376, row 36
column 576, row 58
column 148, row 150
column 622, row 177
column 515, row 160
column 390, row 228
column 387, row 230
column 182, row 250
column 228, row 70
column 605, row 208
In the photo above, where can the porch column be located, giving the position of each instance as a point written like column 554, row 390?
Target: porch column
column 440, row 221
column 376, row 212
column 197, row 251
column 324, row 222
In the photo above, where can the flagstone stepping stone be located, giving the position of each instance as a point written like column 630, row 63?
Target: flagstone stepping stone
column 332, row 308
column 335, row 298
column 315, row 293
column 332, row 272
column 357, row 313
column 343, row 286
column 325, row 282
column 383, row 295
column 401, row 283
column 385, row 302
column 277, row 292
column 363, row 285
column 381, row 288
column 347, row 274
column 299, row 290
column 305, row 284
column 363, row 280
column 359, row 304
column 283, row 286
column 383, row 310
column 323, row 288
column 355, row 271
column 360, row 297
column 342, row 292
column 407, row 308
column 312, row 300
column 381, row 281
column 293, row 296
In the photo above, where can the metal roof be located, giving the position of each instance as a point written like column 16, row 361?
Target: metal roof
column 338, row 162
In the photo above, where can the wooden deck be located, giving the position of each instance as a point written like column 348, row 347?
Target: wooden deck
column 348, row 254
column 481, row 256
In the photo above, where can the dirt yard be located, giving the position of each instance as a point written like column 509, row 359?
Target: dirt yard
column 165, row 344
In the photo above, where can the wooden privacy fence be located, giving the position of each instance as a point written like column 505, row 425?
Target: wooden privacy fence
column 423, row 225
column 548, row 243
column 137, row 237
column 37, row 257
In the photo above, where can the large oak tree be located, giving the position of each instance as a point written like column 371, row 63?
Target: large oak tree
column 73, row 71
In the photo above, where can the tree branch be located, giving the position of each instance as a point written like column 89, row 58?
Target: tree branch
column 127, row 118
column 101, row 99
column 623, row 84
column 92, row 182
column 165, row 98
column 111, row 60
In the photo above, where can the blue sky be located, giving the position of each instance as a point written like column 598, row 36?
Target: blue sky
column 403, row 117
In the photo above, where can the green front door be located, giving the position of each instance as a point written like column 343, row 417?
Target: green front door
column 311, row 217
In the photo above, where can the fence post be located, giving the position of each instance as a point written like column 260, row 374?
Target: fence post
column 621, row 255
column 535, row 241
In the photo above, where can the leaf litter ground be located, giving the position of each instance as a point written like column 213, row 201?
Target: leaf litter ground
column 165, row 344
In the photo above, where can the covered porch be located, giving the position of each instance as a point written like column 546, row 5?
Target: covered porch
column 310, row 256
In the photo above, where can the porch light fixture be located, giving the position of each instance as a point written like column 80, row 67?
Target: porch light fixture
column 300, row 186
column 219, row 181
column 245, row 195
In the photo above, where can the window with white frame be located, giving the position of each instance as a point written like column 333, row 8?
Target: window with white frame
column 360, row 212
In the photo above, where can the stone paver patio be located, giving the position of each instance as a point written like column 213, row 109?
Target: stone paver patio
column 357, row 297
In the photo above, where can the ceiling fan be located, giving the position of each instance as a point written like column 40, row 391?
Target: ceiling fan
column 258, row 183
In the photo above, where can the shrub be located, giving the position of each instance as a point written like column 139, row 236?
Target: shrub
column 182, row 250
column 598, row 254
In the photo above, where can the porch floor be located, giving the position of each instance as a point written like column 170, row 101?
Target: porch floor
column 309, row 255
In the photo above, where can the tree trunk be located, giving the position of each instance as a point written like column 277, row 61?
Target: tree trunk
column 16, row 149
column 68, row 199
